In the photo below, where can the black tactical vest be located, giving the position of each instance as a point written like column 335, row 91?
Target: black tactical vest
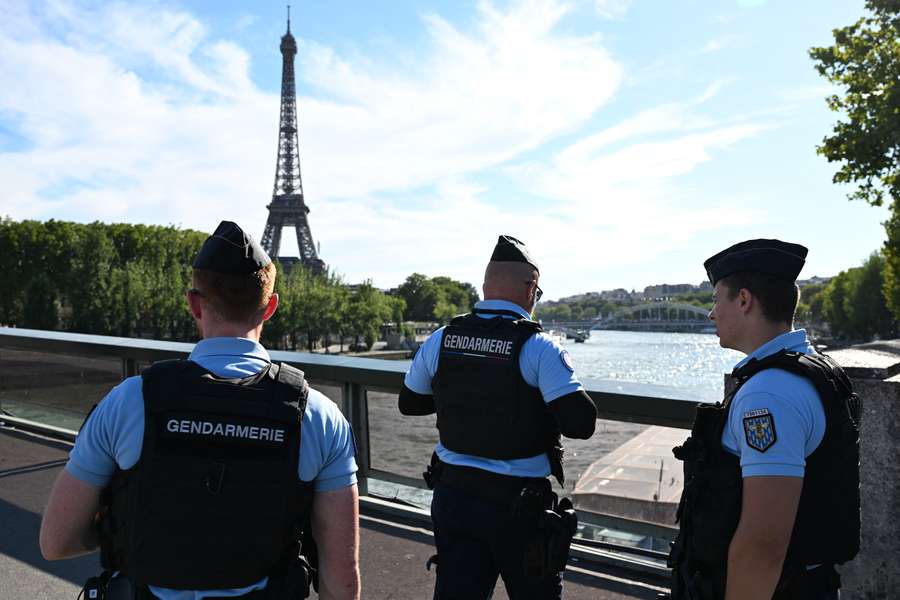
column 827, row 527
column 214, row 501
column 484, row 406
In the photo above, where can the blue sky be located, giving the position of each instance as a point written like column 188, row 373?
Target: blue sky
column 624, row 141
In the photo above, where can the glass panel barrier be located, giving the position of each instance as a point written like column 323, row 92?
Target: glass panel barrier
column 55, row 389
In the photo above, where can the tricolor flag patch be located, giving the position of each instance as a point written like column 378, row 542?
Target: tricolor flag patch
column 759, row 429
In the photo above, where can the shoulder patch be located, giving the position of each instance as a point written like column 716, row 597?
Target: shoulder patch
column 759, row 429
column 567, row 360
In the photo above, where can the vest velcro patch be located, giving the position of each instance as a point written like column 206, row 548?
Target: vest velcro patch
column 218, row 429
column 759, row 429
column 476, row 346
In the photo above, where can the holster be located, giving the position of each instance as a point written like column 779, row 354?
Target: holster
column 552, row 525
column 433, row 471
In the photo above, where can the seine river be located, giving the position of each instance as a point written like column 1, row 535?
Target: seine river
column 680, row 365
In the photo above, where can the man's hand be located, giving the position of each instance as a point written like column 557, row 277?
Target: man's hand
column 335, row 526
column 757, row 550
column 69, row 524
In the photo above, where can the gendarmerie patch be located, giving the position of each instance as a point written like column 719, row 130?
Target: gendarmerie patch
column 478, row 346
column 759, row 429
column 566, row 359
column 218, row 429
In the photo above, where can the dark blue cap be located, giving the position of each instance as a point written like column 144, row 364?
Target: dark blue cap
column 781, row 260
column 510, row 249
column 231, row 250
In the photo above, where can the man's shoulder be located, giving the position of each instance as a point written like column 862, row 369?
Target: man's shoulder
column 321, row 411
column 128, row 392
column 778, row 383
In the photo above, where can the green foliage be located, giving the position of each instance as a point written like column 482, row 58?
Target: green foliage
column 853, row 303
column 438, row 299
column 865, row 61
column 130, row 280
column 96, row 278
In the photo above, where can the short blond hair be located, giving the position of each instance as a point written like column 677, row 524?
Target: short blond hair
column 237, row 298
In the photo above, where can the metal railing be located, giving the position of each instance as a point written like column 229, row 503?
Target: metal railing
column 355, row 377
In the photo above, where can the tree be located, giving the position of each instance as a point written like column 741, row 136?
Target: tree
column 865, row 60
column 420, row 295
column 854, row 306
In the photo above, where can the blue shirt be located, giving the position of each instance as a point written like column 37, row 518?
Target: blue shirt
column 114, row 434
column 788, row 408
column 544, row 364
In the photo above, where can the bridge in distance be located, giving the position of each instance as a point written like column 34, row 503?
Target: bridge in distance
column 652, row 316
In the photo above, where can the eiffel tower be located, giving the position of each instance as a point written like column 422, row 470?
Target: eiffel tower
column 288, row 208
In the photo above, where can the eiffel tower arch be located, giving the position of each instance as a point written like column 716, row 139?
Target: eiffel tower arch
column 288, row 208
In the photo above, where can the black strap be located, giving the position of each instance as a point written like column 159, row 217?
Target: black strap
column 493, row 487
column 499, row 311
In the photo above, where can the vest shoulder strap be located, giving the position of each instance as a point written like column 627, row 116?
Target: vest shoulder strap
column 292, row 385
column 518, row 319
column 166, row 368
column 823, row 372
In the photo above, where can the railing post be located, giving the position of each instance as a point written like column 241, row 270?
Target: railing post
column 129, row 368
column 355, row 403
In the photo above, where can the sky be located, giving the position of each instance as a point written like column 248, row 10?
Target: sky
column 624, row 141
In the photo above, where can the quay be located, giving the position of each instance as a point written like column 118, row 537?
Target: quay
column 48, row 381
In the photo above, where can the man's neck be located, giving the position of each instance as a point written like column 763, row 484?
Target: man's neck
column 762, row 334
column 212, row 330
column 517, row 302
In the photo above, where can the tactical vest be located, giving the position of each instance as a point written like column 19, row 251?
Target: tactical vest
column 484, row 406
column 214, row 502
column 827, row 527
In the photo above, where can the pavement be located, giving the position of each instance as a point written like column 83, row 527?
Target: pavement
column 392, row 555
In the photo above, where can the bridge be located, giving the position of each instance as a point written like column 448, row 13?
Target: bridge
column 651, row 316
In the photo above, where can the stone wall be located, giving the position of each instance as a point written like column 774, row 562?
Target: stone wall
column 875, row 573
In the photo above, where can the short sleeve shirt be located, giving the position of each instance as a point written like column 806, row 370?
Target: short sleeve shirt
column 113, row 436
column 544, row 364
column 776, row 419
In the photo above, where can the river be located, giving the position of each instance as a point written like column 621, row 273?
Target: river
column 680, row 365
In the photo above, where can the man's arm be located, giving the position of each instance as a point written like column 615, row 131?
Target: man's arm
column 335, row 526
column 575, row 414
column 413, row 404
column 757, row 550
column 68, row 527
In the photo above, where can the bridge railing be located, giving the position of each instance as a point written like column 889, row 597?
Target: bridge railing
column 356, row 379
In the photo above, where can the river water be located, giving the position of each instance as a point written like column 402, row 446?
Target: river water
column 679, row 365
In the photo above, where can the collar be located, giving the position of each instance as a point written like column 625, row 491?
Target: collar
column 792, row 340
column 229, row 346
column 503, row 305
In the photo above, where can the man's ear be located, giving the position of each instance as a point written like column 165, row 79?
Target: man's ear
column 194, row 305
column 271, row 307
column 745, row 300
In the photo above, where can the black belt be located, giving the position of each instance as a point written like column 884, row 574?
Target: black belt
column 490, row 486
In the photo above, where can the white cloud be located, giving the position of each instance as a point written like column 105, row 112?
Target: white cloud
column 720, row 43
column 611, row 9
column 139, row 114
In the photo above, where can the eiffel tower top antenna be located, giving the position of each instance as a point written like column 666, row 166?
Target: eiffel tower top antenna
column 288, row 208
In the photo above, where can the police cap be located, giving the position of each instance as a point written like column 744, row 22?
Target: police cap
column 231, row 250
column 781, row 260
column 510, row 249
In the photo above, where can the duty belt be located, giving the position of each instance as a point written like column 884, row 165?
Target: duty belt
column 493, row 487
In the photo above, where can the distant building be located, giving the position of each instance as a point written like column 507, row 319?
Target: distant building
column 814, row 280
column 667, row 290
column 616, row 295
